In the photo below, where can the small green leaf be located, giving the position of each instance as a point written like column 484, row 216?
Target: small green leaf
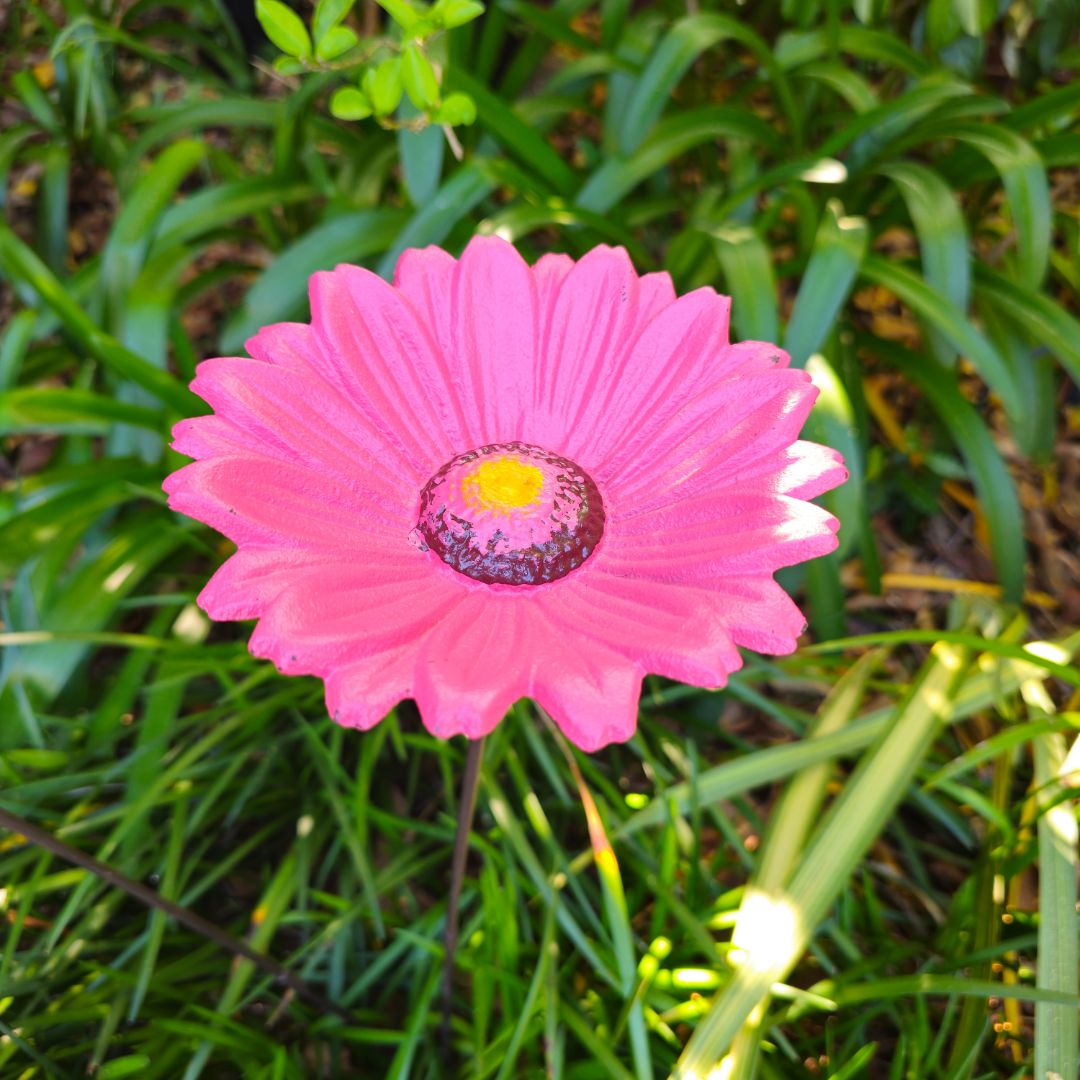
column 385, row 86
column 328, row 14
column 348, row 103
column 418, row 77
column 402, row 12
column 131, row 1065
column 337, row 40
column 975, row 16
column 288, row 65
column 284, row 28
column 453, row 13
column 456, row 109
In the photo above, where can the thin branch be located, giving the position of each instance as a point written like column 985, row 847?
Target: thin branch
column 144, row 894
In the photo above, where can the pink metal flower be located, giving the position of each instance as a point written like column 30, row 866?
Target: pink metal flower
column 492, row 480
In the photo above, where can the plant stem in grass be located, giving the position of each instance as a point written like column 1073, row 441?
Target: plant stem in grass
column 470, row 784
column 34, row 834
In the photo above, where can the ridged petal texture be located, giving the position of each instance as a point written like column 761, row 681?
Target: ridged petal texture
column 318, row 449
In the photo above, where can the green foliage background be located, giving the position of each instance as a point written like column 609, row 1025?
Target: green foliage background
column 891, row 191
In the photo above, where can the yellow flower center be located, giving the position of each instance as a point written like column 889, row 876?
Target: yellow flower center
column 502, row 485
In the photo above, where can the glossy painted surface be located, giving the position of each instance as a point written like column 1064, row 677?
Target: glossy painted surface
column 510, row 514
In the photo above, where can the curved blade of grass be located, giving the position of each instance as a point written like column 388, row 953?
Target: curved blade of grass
column 1047, row 108
column 618, row 915
column 839, row 248
column 832, row 422
column 1057, row 1027
column 139, row 218
column 280, row 291
column 994, row 486
column 167, row 120
column 950, row 322
column 43, row 409
column 1044, row 321
column 1026, row 188
column 421, row 154
column 15, row 339
column 850, row 85
column 988, row 749
column 1036, row 374
column 749, row 279
column 222, row 204
column 457, row 197
column 89, row 598
column 929, row 983
column 790, row 824
column 893, row 119
column 619, row 175
column 981, row 691
column 796, row 48
column 52, row 223
column 681, row 46
column 21, row 264
column 943, row 239
column 512, row 133
column 777, row 925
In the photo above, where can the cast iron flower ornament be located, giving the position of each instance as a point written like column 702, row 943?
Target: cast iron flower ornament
column 490, row 481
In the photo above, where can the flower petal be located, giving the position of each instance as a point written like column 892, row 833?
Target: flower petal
column 662, row 628
column 758, row 613
column 245, row 585
column 295, row 416
column 360, row 694
column 338, row 614
column 373, row 348
column 725, row 533
column 291, row 345
column 494, row 319
column 591, row 693
column 722, row 430
column 474, row 665
column 649, row 382
column 591, row 326
column 254, row 500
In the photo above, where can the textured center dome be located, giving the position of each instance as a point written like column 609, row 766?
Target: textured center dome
column 510, row 514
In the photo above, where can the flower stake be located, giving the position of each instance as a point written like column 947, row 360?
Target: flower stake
column 491, row 481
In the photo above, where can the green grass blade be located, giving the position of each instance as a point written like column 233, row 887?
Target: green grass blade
column 280, row 292
column 140, row 216
column 1026, row 187
column 618, row 176
column 779, row 924
column 839, row 248
column 1057, row 1027
column 682, row 45
column 948, row 320
column 943, row 238
column 749, row 280
column 515, row 136
column 30, row 409
column 994, row 485
column 431, row 224
column 1044, row 321
column 20, row 264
